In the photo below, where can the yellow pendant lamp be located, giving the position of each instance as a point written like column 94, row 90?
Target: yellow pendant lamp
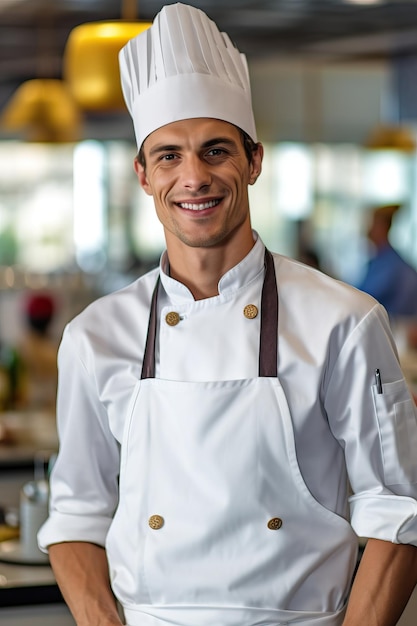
column 43, row 110
column 91, row 64
column 386, row 137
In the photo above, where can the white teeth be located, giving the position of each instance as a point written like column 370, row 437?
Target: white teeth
column 198, row 207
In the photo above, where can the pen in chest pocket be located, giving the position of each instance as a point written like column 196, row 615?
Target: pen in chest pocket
column 378, row 381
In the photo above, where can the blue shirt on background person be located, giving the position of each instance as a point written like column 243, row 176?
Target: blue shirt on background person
column 388, row 277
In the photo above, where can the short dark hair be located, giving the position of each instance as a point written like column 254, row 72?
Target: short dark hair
column 249, row 146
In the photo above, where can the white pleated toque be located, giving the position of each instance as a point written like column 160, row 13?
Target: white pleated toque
column 183, row 67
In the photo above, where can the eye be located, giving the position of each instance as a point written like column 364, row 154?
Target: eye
column 217, row 155
column 216, row 152
column 167, row 157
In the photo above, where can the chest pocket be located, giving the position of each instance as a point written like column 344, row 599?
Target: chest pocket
column 397, row 422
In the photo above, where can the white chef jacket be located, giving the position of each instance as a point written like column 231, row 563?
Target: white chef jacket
column 331, row 338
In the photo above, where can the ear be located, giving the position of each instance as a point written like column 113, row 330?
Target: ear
column 142, row 178
column 256, row 164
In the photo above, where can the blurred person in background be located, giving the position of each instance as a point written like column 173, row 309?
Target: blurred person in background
column 388, row 277
column 37, row 351
column 310, row 257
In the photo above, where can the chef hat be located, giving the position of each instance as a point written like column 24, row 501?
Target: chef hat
column 183, row 67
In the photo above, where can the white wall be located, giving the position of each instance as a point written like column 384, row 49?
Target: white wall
column 300, row 101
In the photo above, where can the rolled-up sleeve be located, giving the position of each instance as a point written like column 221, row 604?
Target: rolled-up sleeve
column 377, row 427
column 84, row 480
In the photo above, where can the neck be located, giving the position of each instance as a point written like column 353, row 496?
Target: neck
column 200, row 269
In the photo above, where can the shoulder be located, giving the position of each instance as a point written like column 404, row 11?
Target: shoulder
column 314, row 298
column 302, row 281
column 115, row 318
column 116, row 303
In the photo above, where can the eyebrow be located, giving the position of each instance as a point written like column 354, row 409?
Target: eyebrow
column 163, row 148
column 207, row 144
column 217, row 140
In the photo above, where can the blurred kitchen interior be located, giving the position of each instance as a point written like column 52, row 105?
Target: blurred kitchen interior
column 334, row 93
column 335, row 98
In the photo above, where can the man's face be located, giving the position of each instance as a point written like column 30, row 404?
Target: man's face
column 198, row 174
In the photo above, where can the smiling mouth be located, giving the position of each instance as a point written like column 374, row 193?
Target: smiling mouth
column 201, row 206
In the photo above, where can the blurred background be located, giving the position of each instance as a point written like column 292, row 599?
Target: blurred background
column 335, row 97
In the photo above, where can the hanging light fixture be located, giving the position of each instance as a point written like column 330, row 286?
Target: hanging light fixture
column 43, row 109
column 387, row 137
column 91, row 65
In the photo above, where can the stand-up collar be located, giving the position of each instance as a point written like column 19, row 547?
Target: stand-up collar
column 236, row 278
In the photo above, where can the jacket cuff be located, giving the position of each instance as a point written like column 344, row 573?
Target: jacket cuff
column 61, row 528
column 387, row 517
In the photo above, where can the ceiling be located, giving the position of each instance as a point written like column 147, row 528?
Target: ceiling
column 33, row 33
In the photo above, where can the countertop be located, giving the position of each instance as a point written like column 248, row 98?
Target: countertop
column 30, row 435
column 27, row 585
column 23, row 434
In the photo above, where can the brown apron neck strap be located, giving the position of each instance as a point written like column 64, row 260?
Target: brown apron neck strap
column 268, row 346
column 148, row 366
column 268, row 350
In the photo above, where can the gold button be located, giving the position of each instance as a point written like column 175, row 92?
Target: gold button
column 156, row 522
column 275, row 523
column 172, row 318
column 250, row 311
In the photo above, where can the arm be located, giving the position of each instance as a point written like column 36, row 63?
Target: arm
column 378, row 434
column 81, row 572
column 84, row 493
column 384, row 582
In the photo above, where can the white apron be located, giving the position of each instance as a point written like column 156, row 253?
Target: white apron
column 215, row 525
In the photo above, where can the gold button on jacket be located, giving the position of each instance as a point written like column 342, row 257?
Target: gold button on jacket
column 250, row 311
column 156, row 522
column 275, row 523
column 172, row 318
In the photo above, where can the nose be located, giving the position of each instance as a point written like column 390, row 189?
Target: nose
column 196, row 173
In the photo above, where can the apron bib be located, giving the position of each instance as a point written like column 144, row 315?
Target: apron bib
column 216, row 526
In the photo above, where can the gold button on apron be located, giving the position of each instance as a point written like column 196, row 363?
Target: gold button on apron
column 156, row 522
column 250, row 311
column 172, row 318
column 275, row 523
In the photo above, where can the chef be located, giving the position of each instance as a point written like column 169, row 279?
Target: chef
column 232, row 421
